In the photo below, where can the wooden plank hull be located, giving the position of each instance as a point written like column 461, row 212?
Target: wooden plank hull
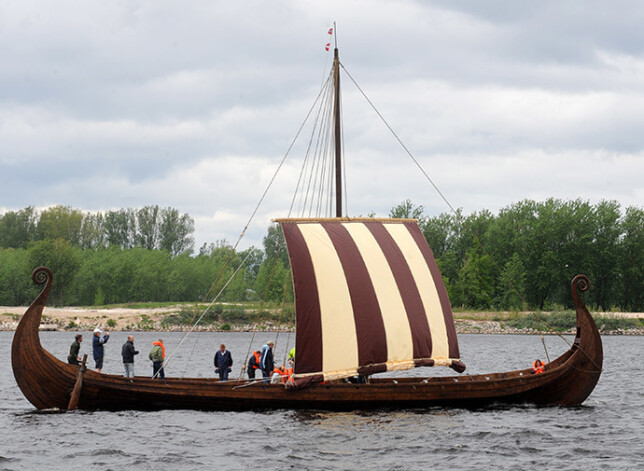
column 48, row 382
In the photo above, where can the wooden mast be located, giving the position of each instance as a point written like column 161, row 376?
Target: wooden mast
column 337, row 130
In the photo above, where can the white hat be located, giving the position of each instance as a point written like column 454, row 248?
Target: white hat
column 97, row 330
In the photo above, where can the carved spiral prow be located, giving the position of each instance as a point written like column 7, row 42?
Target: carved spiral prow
column 580, row 283
column 42, row 276
column 28, row 358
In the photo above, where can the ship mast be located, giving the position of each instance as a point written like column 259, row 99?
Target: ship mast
column 337, row 130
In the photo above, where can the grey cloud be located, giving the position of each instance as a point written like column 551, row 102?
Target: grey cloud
column 192, row 105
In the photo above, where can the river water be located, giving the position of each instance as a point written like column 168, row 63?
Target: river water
column 607, row 431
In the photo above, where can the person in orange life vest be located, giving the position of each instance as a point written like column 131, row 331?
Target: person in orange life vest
column 223, row 362
column 253, row 364
column 277, row 374
column 157, row 355
column 538, row 367
column 288, row 375
column 282, row 374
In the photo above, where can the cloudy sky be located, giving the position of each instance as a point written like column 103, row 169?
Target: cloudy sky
column 116, row 104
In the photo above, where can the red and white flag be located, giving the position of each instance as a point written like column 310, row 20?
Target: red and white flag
column 328, row 45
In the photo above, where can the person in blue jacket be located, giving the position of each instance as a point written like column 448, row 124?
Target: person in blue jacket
column 266, row 361
column 97, row 348
column 223, row 362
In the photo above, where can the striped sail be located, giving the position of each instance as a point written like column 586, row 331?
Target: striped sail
column 368, row 298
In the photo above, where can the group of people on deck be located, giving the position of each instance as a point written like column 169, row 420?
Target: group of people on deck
column 156, row 355
column 259, row 360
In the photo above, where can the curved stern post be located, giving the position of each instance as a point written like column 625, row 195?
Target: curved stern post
column 587, row 345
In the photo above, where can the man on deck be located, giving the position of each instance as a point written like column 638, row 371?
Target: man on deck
column 223, row 362
column 253, row 364
column 266, row 361
column 74, row 350
column 127, row 352
column 97, row 348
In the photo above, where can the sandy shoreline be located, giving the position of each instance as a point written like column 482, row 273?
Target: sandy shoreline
column 124, row 319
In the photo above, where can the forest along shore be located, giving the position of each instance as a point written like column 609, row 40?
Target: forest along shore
column 165, row 319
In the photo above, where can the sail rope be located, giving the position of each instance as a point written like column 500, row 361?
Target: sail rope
column 192, row 328
column 312, row 163
column 192, row 352
column 243, row 232
column 455, row 212
column 261, row 307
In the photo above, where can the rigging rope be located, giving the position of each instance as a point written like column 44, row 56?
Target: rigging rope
column 444, row 198
column 241, row 235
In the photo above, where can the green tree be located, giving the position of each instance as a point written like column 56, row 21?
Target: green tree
column 92, row 234
column 512, row 284
column 62, row 259
column 15, row 281
column 631, row 260
column 408, row 210
column 120, row 228
column 439, row 232
column 274, row 281
column 61, row 222
column 175, row 232
column 275, row 245
column 476, row 280
column 148, row 223
column 17, row 229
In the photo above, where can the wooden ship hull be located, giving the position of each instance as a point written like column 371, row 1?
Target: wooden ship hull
column 49, row 383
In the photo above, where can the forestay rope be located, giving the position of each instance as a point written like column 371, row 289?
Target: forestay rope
column 455, row 212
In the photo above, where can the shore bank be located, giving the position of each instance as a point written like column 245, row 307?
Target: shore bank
column 72, row 319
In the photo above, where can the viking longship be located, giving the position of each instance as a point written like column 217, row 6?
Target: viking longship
column 369, row 298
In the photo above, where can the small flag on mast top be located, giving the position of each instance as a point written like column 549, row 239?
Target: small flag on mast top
column 328, row 45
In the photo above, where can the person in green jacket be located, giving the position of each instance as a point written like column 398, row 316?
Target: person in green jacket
column 157, row 355
column 74, row 350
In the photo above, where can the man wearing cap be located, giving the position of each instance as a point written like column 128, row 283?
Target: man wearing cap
column 266, row 361
column 97, row 347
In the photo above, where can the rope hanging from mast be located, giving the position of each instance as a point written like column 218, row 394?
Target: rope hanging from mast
column 241, row 235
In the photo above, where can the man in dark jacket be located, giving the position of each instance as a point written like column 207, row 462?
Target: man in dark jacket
column 97, row 347
column 266, row 361
column 223, row 362
column 253, row 364
column 128, row 352
column 74, row 350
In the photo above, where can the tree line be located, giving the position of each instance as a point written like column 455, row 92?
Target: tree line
column 526, row 256
column 522, row 258
column 150, row 227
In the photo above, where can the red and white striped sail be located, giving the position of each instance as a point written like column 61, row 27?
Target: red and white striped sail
column 368, row 298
